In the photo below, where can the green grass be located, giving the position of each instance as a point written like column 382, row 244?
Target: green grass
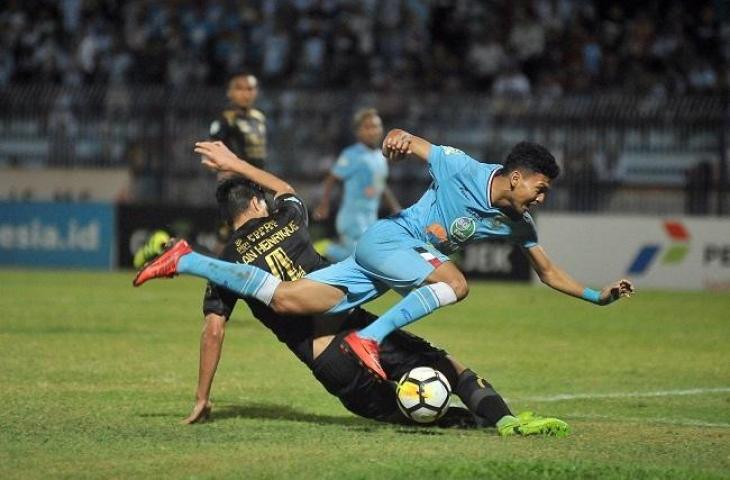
column 95, row 377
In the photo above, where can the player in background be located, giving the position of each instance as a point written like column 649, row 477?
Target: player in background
column 466, row 201
column 363, row 172
column 278, row 241
column 241, row 127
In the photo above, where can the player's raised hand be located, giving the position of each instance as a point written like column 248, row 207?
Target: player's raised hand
column 620, row 289
column 216, row 156
column 200, row 413
column 397, row 144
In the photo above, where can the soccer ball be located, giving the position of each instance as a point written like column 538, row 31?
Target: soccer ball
column 423, row 394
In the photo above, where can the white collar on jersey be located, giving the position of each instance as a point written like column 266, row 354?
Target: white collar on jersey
column 489, row 187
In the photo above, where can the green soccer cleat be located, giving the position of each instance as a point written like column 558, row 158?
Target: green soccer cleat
column 527, row 423
column 321, row 246
column 155, row 245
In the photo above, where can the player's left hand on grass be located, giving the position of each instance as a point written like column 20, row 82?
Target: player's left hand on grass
column 216, row 156
column 200, row 413
column 620, row 289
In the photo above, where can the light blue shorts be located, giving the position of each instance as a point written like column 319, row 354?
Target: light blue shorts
column 351, row 226
column 386, row 257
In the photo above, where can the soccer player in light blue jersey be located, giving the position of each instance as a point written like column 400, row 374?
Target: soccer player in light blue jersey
column 466, row 201
column 363, row 171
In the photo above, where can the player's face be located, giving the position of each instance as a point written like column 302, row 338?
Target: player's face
column 528, row 190
column 243, row 90
column 370, row 131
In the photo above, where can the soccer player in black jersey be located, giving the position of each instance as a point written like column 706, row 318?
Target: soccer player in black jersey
column 277, row 241
column 241, row 127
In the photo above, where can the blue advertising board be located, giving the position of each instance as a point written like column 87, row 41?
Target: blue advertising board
column 46, row 234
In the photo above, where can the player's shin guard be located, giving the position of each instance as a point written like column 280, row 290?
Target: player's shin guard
column 480, row 397
column 245, row 280
column 417, row 304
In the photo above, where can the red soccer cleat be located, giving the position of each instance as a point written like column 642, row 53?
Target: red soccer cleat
column 165, row 265
column 366, row 351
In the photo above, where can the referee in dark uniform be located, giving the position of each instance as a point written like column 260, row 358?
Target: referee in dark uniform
column 241, row 127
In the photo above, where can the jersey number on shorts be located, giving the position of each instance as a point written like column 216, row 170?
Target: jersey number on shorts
column 282, row 266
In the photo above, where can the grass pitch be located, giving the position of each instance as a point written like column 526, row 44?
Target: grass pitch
column 95, row 377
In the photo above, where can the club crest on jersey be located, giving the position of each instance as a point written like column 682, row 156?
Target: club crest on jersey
column 462, row 228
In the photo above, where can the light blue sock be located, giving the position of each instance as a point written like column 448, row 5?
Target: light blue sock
column 417, row 304
column 245, row 280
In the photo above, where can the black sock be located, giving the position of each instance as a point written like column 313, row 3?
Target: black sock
column 479, row 397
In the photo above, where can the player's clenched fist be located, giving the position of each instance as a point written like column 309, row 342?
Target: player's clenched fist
column 617, row 290
column 397, row 144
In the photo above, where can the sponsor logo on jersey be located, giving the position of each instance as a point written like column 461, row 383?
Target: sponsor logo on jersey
column 438, row 231
column 463, row 228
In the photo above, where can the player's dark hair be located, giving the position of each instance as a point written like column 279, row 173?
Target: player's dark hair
column 234, row 196
column 533, row 157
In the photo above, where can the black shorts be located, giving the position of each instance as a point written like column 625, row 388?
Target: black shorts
column 358, row 389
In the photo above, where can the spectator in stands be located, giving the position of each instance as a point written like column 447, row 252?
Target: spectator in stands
column 443, row 45
column 511, row 82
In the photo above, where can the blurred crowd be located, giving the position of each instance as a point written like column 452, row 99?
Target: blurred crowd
column 514, row 47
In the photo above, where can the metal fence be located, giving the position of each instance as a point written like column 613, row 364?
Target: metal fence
column 635, row 154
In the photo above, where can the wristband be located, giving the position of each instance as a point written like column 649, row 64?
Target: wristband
column 593, row 296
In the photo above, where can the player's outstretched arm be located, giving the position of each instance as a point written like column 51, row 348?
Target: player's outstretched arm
column 211, row 345
column 218, row 157
column 557, row 278
column 399, row 143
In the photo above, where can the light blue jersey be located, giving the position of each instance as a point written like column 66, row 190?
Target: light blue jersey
column 456, row 208
column 363, row 172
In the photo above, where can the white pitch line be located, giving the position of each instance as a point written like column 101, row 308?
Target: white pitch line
column 663, row 421
column 591, row 396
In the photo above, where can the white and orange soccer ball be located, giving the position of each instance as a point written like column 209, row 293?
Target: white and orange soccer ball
column 423, row 394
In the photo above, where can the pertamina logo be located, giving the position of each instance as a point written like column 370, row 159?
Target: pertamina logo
column 462, row 228
column 674, row 254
